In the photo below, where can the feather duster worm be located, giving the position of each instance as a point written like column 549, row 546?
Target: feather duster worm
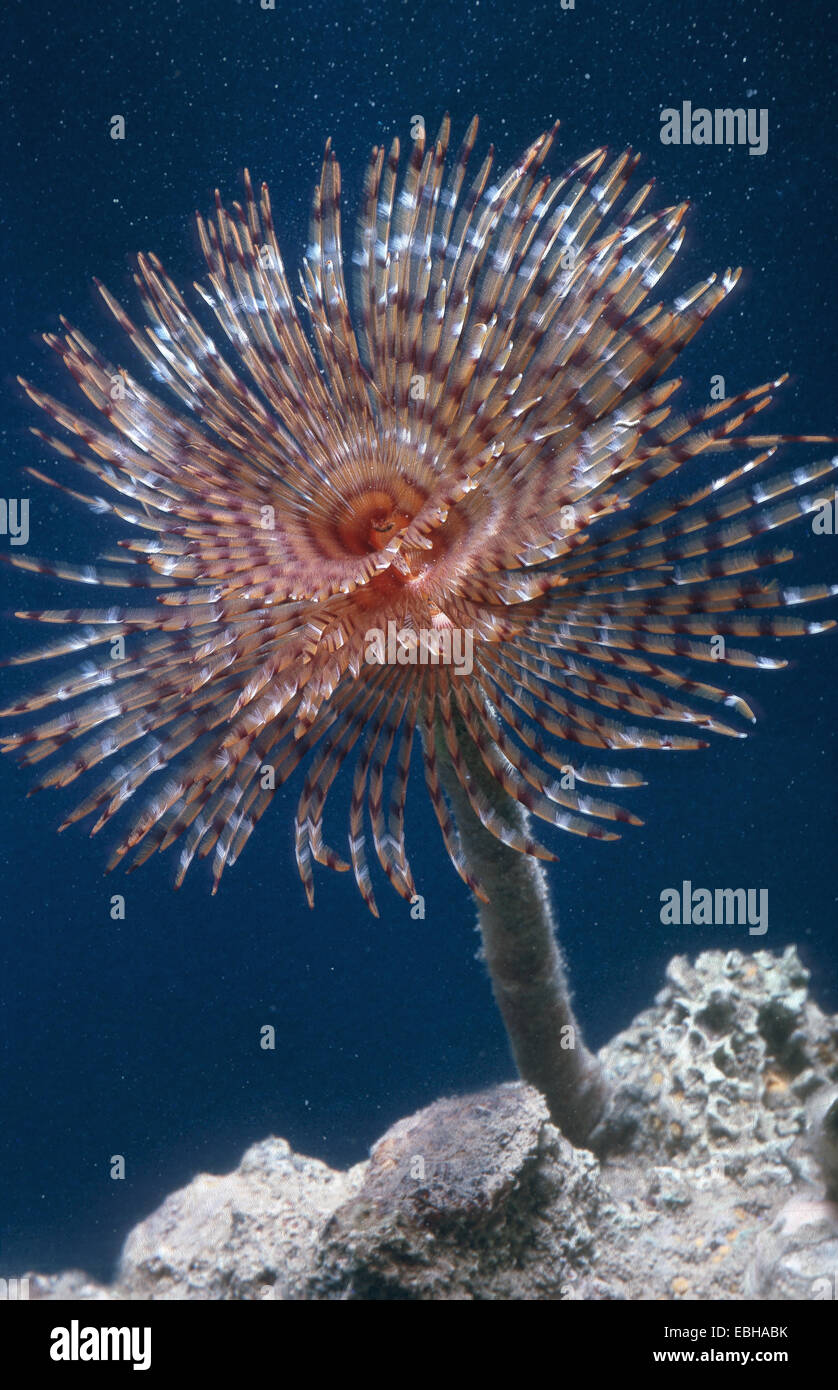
column 472, row 449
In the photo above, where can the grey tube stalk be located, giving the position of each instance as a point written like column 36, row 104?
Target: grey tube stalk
column 522, row 954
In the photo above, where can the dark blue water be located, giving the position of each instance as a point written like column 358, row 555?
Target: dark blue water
column 140, row 1037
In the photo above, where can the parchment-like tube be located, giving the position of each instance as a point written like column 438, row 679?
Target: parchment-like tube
column 525, row 964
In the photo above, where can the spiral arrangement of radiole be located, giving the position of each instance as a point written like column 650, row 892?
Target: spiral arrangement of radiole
column 473, row 441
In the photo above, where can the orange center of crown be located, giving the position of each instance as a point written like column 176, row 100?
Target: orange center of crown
column 374, row 519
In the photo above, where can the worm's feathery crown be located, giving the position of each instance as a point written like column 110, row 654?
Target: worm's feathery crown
column 467, row 450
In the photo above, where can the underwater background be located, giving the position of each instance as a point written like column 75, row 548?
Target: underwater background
column 141, row 1037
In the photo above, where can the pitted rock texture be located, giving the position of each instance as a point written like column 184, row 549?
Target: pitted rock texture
column 706, row 1184
column 721, row 1068
column 248, row 1235
column 471, row 1198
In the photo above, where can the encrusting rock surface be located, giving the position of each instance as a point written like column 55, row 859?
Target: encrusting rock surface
column 715, row 1177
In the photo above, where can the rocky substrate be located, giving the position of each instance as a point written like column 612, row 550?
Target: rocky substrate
column 717, row 1177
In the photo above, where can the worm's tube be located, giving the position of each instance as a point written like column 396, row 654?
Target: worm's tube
column 521, row 951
